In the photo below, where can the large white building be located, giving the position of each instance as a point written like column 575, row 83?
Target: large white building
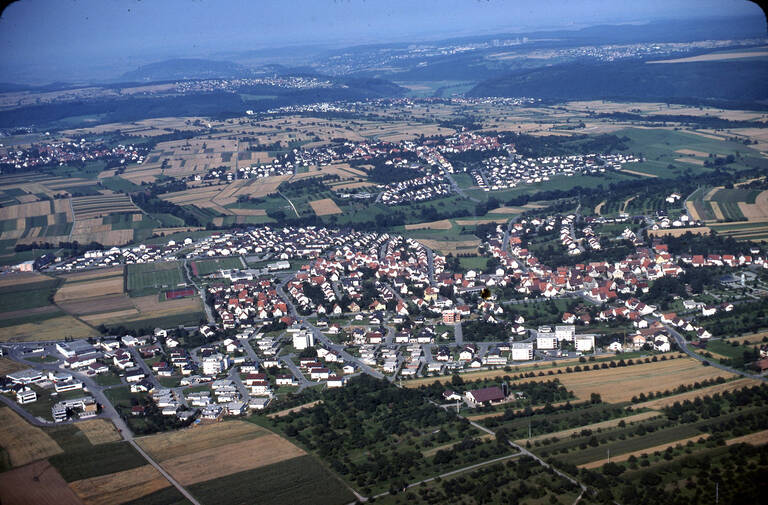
column 215, row 364
column 546, row 341
column 303, row 339
column 522, row 351
column 566, row 332
column 585, row 343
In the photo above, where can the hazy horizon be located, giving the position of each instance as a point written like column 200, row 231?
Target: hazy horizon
column 87, row 40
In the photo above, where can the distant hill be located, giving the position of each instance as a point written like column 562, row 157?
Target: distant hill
column 725, row 80
column 186, row 68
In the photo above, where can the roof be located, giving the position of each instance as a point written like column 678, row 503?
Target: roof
column 489, row 394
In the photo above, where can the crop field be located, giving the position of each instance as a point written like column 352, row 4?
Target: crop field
column 16, row 299
column 676, row 232
column 289, row 481
column 35, row 328
column 648, row 450
column 612, row 423
column 325, row 207
column 622, row 383
column 99, row 431
column 757, row 438
column 88, row 207
column 23, row 442
column 149, row 311
column 173, row 444
column 231, row 458
column 109, row 284
column 452, row 247
column 7, row 366
column 692, row 395
column 37, row 483
column 146, row 278
column 119, row 487
column 444, row 224
column 207, row 267
column 91, row 461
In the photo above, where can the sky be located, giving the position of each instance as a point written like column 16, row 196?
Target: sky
column 63, row 36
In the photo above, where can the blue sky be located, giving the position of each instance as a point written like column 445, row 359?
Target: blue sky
column 111, row 33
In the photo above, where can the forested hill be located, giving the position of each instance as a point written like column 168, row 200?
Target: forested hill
column 724, row 80
column 186, row 68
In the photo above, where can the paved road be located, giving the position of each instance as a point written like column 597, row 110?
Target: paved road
column 201, row 290
column 165, row 474
column 458, row 334
column 684, row 346
column 457, row 189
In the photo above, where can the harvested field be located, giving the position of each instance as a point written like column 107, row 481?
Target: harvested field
column 692, row 152
column 444, row 224
column 622, row 383
column 248, row 212
column 19, row 486
column 692, row 395
column 97, row 304
column 509, row 210
column 452, row 246
column 474, row 222
column 693, row 161
column 93, row 274
column 293, row 409
column 325, row 207
column 690, row 205
column 486, row 374
column 174, row 444
column 757, row 210
column 17, row 278
column 611, row 423
column 649, row 450
column 7, row 366
column 54, row 328
column 25, row 210
column 758, row 438
column 627, row 202
column 216, row 462
column 23, row 442
column 755, row 338
column 717, row 211
column 676, row 232
column 120, row 487
column 87, row 289
column 89, row 207
column 635, row 172
column 99, row 431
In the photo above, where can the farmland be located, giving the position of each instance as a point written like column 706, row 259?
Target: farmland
column 146, row 278
column 325, row 207
column 119, row 487
column 99, row 431
column 202, row 268
column 169, row 445
column 23, row 442
column 35, row 483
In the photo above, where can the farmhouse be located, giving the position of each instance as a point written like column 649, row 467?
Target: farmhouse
column 486, row 396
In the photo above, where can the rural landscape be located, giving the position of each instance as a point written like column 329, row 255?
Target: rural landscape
column 455, row 254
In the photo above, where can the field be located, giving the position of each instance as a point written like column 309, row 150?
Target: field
column 147, row 278
column 325, row 207
column 89, row 461
column 19, row 486
column 55, row 328
column 596, row 426
column 738, row 213
column 676, row 232
column 758, row 438
column 290, row 481
column 648, row 450
column 109, row 284
column 444, row 224
column 9, row 366
column 23, row 442
column 99, row 431
column 692, row 395
column 207, row 267
column 163, row 446
column 622, row 383
column 119, row 487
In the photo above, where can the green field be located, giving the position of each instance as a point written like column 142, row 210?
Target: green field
column 207, row 267
column 297, row 480
column 94, row 461
column 27, row 296
column 149, row 278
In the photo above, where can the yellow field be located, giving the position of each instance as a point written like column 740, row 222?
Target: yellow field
column 325, row 207
column 444, row 224
column 99, row 431
column 120, row 487
column 754, row 338
column 19, row 486
column 758, row 438
column 622, row 383
column 173, row 444
column 18, row 278
column 474, row 222
column 716, row 210
column 649, row 450
column 758, row 210
column 207, row 464
column 86, row 289
column 23, row 442
column 644, row 174
column 293, row 409
column 48, row 329
column 452, row 246
column 692, row 395
column 611, row 423
column 676, row 232
column 146, row 307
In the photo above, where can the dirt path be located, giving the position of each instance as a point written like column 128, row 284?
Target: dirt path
column 626, row 203
column 599, row 207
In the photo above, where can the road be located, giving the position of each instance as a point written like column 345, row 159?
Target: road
column 165, row 474
column 684, row 346
column 458, row 334
column 457, row 189
column 208, row 310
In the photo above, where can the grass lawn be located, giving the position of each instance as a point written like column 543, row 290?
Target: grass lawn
column 148, row 278
column 206, row 267
column 27, row 296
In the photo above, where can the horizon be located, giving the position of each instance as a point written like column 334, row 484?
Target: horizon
column 122, row 36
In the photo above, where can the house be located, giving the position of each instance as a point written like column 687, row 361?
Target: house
column 335, row 381
column 450, row 395
column 485, row 396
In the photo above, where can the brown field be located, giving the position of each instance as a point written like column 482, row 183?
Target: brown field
column 755, row 338
column 18, row 486
column 758, row 210
column 611, row 423
column 25, row 210
column 692, row 152
column 99, row 431
column 622, row 383
column 692, row 395
column 452, row 246
column 293, row 409
column 676, row 232
column 91, row 288
column 693, row 161
column 715, row 57
column 644, row 174
column 353, row 185
column 23, row 442
column 649, row 450
column 97, row 304
column 716, row 210
column 691, row 207
column 758, row 438
column 117, row 316
column 248, row 212
column 444, row 224
column 512, row 210
column 477, row 417
column 173, row 444
column 7, row 366
column 231, row 458
column 55, row 328
column 89, row 207
column 146, row 307
column 93, row 274
column 120, row 487
column 17, row 278
column 325, row 207
column 473, row 222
